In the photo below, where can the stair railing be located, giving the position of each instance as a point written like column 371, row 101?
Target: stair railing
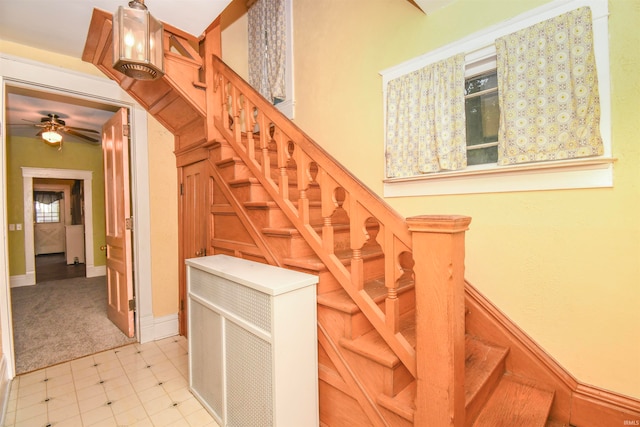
column 268, row 132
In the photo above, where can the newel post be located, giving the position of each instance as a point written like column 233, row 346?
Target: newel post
column 438, row 252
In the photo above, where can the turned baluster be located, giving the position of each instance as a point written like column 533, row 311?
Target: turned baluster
column 235, row 105
column 250, row 122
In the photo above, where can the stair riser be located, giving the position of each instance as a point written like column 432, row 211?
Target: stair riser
column 289, row 246
column 230, row 170
column 356, row 324
column 222, row 151
column 265, row 217
column 376, row 377
column 250, row 192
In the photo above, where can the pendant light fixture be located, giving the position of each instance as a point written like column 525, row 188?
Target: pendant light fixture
column 137, row 42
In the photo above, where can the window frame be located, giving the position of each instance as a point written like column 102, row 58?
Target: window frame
column 480, row 55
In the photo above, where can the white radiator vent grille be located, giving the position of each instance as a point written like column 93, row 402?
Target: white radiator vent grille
column 206, row 355
column 244, row 302
column 249, row 393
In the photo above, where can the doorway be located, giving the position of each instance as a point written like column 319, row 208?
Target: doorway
column 58, row 229
column 16, row 72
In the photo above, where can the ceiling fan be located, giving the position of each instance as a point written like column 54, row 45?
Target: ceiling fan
column 53, row 127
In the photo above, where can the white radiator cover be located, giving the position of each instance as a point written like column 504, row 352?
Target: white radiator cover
column 253, row 342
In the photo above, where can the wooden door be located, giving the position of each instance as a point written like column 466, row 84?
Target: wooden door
column 115, row 147
column 193, row 201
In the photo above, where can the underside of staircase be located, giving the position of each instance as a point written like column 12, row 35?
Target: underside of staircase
column 273, row 195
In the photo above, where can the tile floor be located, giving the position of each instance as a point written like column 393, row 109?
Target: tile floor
column 136, row 385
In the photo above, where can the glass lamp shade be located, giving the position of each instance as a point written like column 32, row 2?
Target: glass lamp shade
column 52, row 137
column 137, row 42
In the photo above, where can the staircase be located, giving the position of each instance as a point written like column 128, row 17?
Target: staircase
column 362, row 380
column 403, row 340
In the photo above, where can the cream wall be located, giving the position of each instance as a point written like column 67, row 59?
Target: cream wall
column 163, row 202
column 162, row 189
column 564, row 265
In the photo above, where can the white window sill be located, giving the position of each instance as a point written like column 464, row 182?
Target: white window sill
column 568, row 174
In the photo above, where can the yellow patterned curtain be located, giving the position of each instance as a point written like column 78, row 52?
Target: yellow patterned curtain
column 267, row 48
column 425, row 120
column 548, row 91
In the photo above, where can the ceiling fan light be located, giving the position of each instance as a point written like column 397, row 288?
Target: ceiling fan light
column 137, row 42
column 52, row 137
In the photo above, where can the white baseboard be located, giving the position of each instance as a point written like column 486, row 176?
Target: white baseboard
column 95, row 271
column 28, row 279
column 157, row 328
column 166, row 326
column 5, row 388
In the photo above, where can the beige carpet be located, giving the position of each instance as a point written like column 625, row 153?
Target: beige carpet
column 61, row 320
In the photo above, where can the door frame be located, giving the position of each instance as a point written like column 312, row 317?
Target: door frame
column 16, row 71
column 28, row 174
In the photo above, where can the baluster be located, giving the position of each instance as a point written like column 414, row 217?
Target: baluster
column 328, row 205
column 237, row 125
column 283, row 181
column 264, row 145
column 358, row 237
column 392, row 274
column 303, row 163
column 250, row 123
column 225, row 103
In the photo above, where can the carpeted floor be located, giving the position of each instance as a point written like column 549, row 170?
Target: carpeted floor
column 58, row 321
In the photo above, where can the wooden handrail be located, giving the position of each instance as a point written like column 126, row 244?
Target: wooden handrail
column 243, row 110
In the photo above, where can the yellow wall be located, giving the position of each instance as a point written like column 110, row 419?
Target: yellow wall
column 163, row 200
column 162, row 190
column 32, row 152
column 564, row 265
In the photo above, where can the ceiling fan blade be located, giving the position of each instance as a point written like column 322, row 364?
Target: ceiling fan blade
column 79, row 135
column 82, row 129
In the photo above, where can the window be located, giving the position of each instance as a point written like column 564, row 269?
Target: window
column 270, row 34
column 47, row 212
column 482, row 118
column 517, row 172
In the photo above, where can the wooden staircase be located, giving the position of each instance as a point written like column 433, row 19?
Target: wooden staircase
column 402, row 338
column 362, row 381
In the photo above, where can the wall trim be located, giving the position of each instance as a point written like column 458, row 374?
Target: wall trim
column 5, row 388
column 21, row 72
column 574, row 402
column 165, row 326
column 95, row 271
column 28, row 174
column 28, row 279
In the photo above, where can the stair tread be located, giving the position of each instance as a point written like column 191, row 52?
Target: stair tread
column 371, row 344
column 480, row 361
column 376, row 289
column 314, row 263
column 515, row 403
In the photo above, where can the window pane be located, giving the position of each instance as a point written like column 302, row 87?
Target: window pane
column 483, row 117
column 47, row 212
column 480, row 83
column 482, row 156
